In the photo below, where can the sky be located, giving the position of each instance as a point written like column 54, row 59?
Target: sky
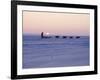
column 56, row 23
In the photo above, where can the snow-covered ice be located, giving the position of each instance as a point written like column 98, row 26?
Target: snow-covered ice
column 55, row 52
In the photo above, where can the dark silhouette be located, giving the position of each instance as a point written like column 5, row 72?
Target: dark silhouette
column 57, row 36
column 64, row 37
column 42, row 36
column 77, row 37
column 71, row 37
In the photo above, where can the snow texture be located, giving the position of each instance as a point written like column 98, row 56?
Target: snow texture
column 55, row 52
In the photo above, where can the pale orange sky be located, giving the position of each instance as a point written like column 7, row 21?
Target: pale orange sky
column 56, row 23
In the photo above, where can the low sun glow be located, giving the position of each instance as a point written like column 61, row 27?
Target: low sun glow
column 47, row 33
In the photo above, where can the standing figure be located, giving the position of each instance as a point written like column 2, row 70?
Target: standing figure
column 42, row 35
